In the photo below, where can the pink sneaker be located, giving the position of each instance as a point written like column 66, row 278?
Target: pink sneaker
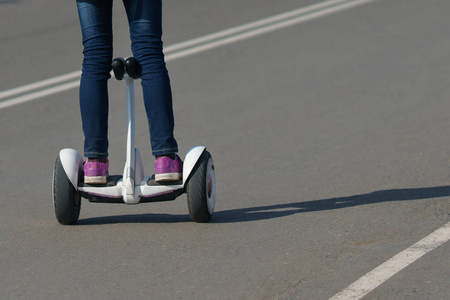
column 95, row 172
column 167, row 169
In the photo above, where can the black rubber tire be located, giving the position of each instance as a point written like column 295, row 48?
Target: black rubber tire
column 66, row 199
column 198, row 192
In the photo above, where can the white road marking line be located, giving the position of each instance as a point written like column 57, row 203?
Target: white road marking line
column 193, row 46
column 377, row 276
column 40, row 94
column 40, row 84
column 263, row 22
column 274, row 23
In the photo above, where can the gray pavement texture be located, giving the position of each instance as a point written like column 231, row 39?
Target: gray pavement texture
column 330, row 140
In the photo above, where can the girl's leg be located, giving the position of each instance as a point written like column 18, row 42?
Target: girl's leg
column 144, row 17
column 96, row 26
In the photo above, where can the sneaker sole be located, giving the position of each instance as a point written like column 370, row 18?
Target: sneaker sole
column 95, row 179
column 167, row 177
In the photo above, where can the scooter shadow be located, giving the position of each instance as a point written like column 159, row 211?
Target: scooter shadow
column 136, row 219
column 282, row 210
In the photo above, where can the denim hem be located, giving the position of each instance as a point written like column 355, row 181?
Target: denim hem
column 95, row 155
column 164, row 152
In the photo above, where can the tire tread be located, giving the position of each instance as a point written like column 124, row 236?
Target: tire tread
column 65, row 196
column 196, row 195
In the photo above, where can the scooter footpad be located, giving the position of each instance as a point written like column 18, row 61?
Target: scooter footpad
column 152, row 182
column 110, row 181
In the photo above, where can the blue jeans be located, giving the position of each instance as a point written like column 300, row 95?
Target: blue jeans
column 144, row 19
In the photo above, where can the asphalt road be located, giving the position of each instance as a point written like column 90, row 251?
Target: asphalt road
column 330, row 139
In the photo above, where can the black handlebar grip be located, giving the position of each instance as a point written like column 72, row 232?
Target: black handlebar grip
column 133, row 68
column 118, row 66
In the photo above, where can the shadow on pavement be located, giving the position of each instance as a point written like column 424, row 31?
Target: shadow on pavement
column 282, row 210
column 136, row 218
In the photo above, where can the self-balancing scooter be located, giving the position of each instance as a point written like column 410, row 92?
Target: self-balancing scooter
column 133, row 187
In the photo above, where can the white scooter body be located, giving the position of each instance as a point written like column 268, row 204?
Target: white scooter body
column 126, row 191
column 134, row 186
